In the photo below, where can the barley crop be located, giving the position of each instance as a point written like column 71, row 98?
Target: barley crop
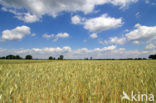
column 79, row 81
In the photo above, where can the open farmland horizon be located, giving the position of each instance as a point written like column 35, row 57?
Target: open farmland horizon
column 77, row 51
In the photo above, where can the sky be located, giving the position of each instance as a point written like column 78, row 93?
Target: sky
column 78, row 29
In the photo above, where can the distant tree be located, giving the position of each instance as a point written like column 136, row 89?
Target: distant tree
column 136, row 59
column 139, row 58
column 28, row 57
column 91, row 58
column 18, row 57
column 61, row 57
column 152, row 56
column 130, row 59
column 85, row 58
column 2, row 57
column 50, row 58
column 10, row 57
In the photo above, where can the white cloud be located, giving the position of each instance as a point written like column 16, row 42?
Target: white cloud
column 97, row 53
column 52, row 50
column 116, row 40
column 54, row 7
column 102, row 23
column 28, row 18
column 126, row 30
column 136, row 42
column 98, row 24
column 150, row 46
column 62, row 35
column 142, row 34
column 113, row 47
column 48, row 36
column 33, row 34
column 55, row 36
column 123, row 3
column 94, row 36
column 102, row 41
column 17, row 33
column 75, row 19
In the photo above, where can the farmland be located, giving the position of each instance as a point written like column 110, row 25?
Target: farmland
column 74, row 81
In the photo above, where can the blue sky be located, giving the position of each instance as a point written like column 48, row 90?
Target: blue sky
column 78, row 29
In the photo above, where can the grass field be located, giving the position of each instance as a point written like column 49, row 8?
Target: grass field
column 78, row 81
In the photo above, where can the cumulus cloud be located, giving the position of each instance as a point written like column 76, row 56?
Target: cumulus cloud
column 98, row 24
column 141, row 34
column 113, row 47
column 26, row 17
column 94, row 36
column 97, row 53
column 52, row 50
column 102, row 23
column 48, row 36
column 150, row 46
column 54, row 7
column 114, row 40
column 62, row 35
column 17, row 33
column 55, row 36
column 75, row 19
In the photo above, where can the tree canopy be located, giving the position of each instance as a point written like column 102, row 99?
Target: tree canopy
column 152, row 56
column 61, row 57
column 28, row 57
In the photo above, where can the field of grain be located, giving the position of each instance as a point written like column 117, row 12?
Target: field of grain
column 79, row 81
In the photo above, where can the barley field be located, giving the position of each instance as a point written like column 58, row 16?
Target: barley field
column 74, row 81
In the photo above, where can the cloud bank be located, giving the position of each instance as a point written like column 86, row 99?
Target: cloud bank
column 35, row 9
column 81, row 53
column 141, row 34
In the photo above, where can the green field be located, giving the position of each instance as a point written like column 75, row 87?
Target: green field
column 79, row 81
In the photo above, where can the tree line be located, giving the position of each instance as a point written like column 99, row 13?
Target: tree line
column 152, row 56
column 29, row 57
column 61, row 57
column 16, row 57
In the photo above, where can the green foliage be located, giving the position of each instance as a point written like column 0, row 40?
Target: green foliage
column 61, row 57
column 51, row 58
column 152, row 56
column 28, row 57
column 86, row 59
column 11, row 57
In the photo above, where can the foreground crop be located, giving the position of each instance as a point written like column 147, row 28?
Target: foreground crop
column 74, row 81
